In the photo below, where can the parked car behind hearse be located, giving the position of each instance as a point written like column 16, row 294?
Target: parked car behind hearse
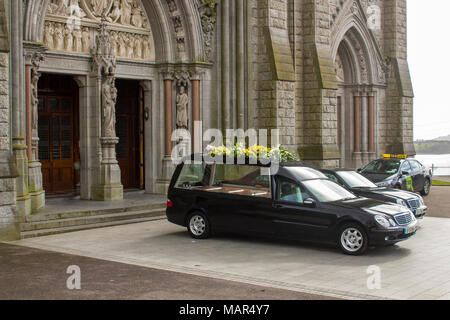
column 360, row 186
column 297, row 202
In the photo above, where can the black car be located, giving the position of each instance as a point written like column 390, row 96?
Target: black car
column 399, row 172
column 363, row 187
column 295, row 202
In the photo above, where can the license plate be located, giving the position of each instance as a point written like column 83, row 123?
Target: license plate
column 411, row 229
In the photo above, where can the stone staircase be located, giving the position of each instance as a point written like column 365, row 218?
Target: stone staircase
column 53, row 223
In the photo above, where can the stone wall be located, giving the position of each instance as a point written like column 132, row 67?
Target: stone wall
column 8, row 220
column 397, row 122
column 272, row 74
column 318, row 134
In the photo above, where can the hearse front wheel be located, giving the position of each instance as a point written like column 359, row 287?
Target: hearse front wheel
column 198, row 226
column 352, row 239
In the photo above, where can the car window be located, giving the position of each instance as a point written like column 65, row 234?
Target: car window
column 327, row 191
column 406, row 167
column 332, row 177
column 291, row 191
column 355, row 180
column 382, row 166
column 414, row 165
column 193, row 175
column 241, row 180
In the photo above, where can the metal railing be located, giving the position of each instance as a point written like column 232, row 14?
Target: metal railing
column 434, row 168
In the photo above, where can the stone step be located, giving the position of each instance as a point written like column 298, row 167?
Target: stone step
column 46, row 232
column 89, row 219
column 93, row 212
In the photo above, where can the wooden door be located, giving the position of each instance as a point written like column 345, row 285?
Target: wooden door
column 129, row 130
column 57, row 123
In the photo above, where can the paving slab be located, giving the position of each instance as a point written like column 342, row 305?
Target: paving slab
column 413, row 269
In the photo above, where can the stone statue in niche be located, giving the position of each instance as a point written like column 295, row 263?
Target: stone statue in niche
column 136, row 17
column 138, row 47
column 146, row 48
column 68, row 39
column 182, row 108
column 59, row 37
column 86, row 39
column 109, row 98
column 98, row 7
column 48, row 35
column 125, row 18
column 77, row 42
column 35, row 62
column 115, row 12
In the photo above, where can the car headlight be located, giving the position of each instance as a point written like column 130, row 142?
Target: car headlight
column 401, row 202
column 385, row 183
column 383, row 221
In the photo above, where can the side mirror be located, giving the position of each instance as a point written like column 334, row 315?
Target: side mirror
column 405, row 173
column 311, row 203
column 358, row 170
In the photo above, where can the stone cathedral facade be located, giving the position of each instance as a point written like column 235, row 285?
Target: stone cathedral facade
column 91, row 90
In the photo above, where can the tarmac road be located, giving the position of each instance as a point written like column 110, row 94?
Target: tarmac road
column 438, row 201
column 29, row 274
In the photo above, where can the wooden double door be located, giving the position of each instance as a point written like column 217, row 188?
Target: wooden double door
column 58, row 133
column 130, row 131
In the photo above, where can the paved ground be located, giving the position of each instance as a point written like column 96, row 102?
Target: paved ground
column 438, row 202
column 28, row 273
column 415, row 269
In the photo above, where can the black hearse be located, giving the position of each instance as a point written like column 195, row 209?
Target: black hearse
column 296, row 202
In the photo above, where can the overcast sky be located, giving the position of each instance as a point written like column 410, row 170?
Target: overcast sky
column 429, row 63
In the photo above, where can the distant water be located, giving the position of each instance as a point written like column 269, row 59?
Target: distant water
column 441, row 163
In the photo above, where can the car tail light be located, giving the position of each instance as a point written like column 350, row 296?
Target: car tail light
column 169, row 203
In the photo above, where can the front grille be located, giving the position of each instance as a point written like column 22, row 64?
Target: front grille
column 413, row 203
column 403, row 219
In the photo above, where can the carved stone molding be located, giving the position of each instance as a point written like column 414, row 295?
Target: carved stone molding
column 71, row 26
column 208, row 14
column 177, row 22
column 103, row 58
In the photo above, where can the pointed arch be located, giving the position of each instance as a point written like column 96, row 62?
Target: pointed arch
column 354, row 28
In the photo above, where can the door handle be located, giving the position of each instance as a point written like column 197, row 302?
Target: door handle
column 277, row 206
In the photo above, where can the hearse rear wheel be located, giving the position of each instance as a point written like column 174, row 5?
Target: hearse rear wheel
column 352, row 239
column 198, row 226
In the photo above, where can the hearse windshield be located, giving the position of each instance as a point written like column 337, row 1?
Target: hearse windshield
column 327, row 190
column 355, row 180
column 305, row 173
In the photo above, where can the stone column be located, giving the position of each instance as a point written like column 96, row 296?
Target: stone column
column 371, row 123
column 225, row 68
column 364, row 127
column 18, row 121
column 33, row 57
column 167, row 165
column 357, row 129
column 109, row 185
column 197, row 131
column 240, row 63
column 168, row 117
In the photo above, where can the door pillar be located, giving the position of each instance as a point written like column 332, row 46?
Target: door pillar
column 33, row 58
column 109, row 186
column 167, row 165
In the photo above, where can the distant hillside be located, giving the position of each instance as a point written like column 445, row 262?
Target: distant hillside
column 444, row 138
column 432, row 147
